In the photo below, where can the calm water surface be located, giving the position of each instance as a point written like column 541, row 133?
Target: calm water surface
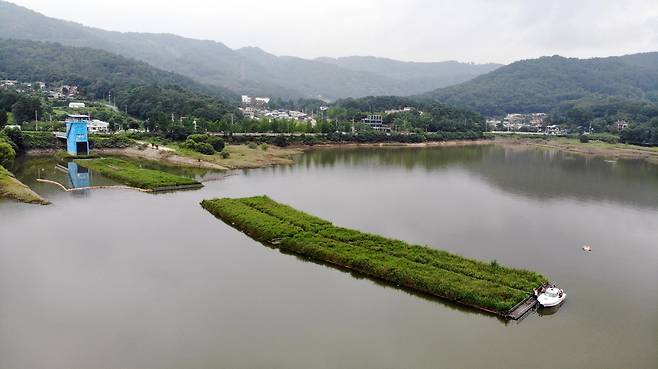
column 119, row 279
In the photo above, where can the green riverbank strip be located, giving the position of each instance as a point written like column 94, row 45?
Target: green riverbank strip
column 133, row 175
column 486, row 286
column 12, row 188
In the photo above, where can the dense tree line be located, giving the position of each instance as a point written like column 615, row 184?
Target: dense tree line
column 641, row 134
column 24, row 107
column 426, row 115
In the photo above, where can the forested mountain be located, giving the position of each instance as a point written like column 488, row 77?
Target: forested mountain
column 414, row 75
column 246, row 71
column 147, row 92
column 548, row 83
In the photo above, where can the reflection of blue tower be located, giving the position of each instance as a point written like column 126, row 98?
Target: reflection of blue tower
column 78, row 176
column 77, row 141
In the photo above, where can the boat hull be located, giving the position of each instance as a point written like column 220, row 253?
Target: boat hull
column 552, row 302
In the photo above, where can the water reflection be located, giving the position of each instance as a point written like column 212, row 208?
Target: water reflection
column 79, row 177
column 535, row 173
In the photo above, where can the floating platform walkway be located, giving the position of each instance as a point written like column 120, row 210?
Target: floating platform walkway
column 504, row 291
column 523, row 308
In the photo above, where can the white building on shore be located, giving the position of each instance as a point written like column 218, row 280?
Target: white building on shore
column 98, row 126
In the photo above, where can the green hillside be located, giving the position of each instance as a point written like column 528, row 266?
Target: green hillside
column 143, row 89
column 541, row 85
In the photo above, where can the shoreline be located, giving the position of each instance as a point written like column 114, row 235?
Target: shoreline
column 240, row 158
column 591, row 149
column 13, row 189
column 455, row 143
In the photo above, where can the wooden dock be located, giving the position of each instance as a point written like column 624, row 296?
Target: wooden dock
column 520, row 310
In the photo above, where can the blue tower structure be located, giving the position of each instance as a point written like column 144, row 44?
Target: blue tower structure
column 77, row 139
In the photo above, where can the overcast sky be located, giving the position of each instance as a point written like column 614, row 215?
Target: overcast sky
column 418, row 30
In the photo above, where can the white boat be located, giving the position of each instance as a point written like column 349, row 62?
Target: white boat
column 553, row 296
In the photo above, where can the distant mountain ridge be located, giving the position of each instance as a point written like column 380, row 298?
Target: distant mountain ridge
column 546, row 83
column 424, row 76
column 246, row 70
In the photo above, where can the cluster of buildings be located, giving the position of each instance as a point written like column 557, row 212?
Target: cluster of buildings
column 64, row 92
column 59, row 92
column 257, row 108
column 21, row 87
column 533, row 122
column 264, row 113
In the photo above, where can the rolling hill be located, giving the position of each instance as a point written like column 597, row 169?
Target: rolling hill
column 143, row 89
column 247, row 70
column 547, row 83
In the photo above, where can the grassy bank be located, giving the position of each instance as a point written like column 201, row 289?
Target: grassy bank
column 243, row 156
column 487, row 286
column 12, row 188
column 133, row 175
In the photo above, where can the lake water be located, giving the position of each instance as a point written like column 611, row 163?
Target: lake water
column 120, row 279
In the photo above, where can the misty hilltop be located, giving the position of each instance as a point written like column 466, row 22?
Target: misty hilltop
column 246, row 70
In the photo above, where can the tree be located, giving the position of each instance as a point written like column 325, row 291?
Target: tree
column 3, row 119
column 7, row 153
column 15, row 137
column 25, row 107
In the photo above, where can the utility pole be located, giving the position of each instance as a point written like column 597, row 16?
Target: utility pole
column 36, row 118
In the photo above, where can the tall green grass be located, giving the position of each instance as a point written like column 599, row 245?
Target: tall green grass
column 487, row 286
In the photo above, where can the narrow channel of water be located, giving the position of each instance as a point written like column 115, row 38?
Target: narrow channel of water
column 122, row 279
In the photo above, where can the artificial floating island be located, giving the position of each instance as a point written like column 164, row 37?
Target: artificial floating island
column 486, row 286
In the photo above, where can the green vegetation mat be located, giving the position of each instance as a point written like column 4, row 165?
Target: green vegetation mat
column 487, row 286
column 133, row 175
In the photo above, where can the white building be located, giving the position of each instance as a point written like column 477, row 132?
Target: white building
column 553, row 130
column 621, row 124
column 403, row 110
column 98, row 126
column 255, row 101
column 77, row 105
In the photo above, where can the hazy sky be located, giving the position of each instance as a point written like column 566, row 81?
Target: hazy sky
column 418, row 30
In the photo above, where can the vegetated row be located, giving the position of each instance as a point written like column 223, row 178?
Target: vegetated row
column 133, row 175
column 487, row 286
